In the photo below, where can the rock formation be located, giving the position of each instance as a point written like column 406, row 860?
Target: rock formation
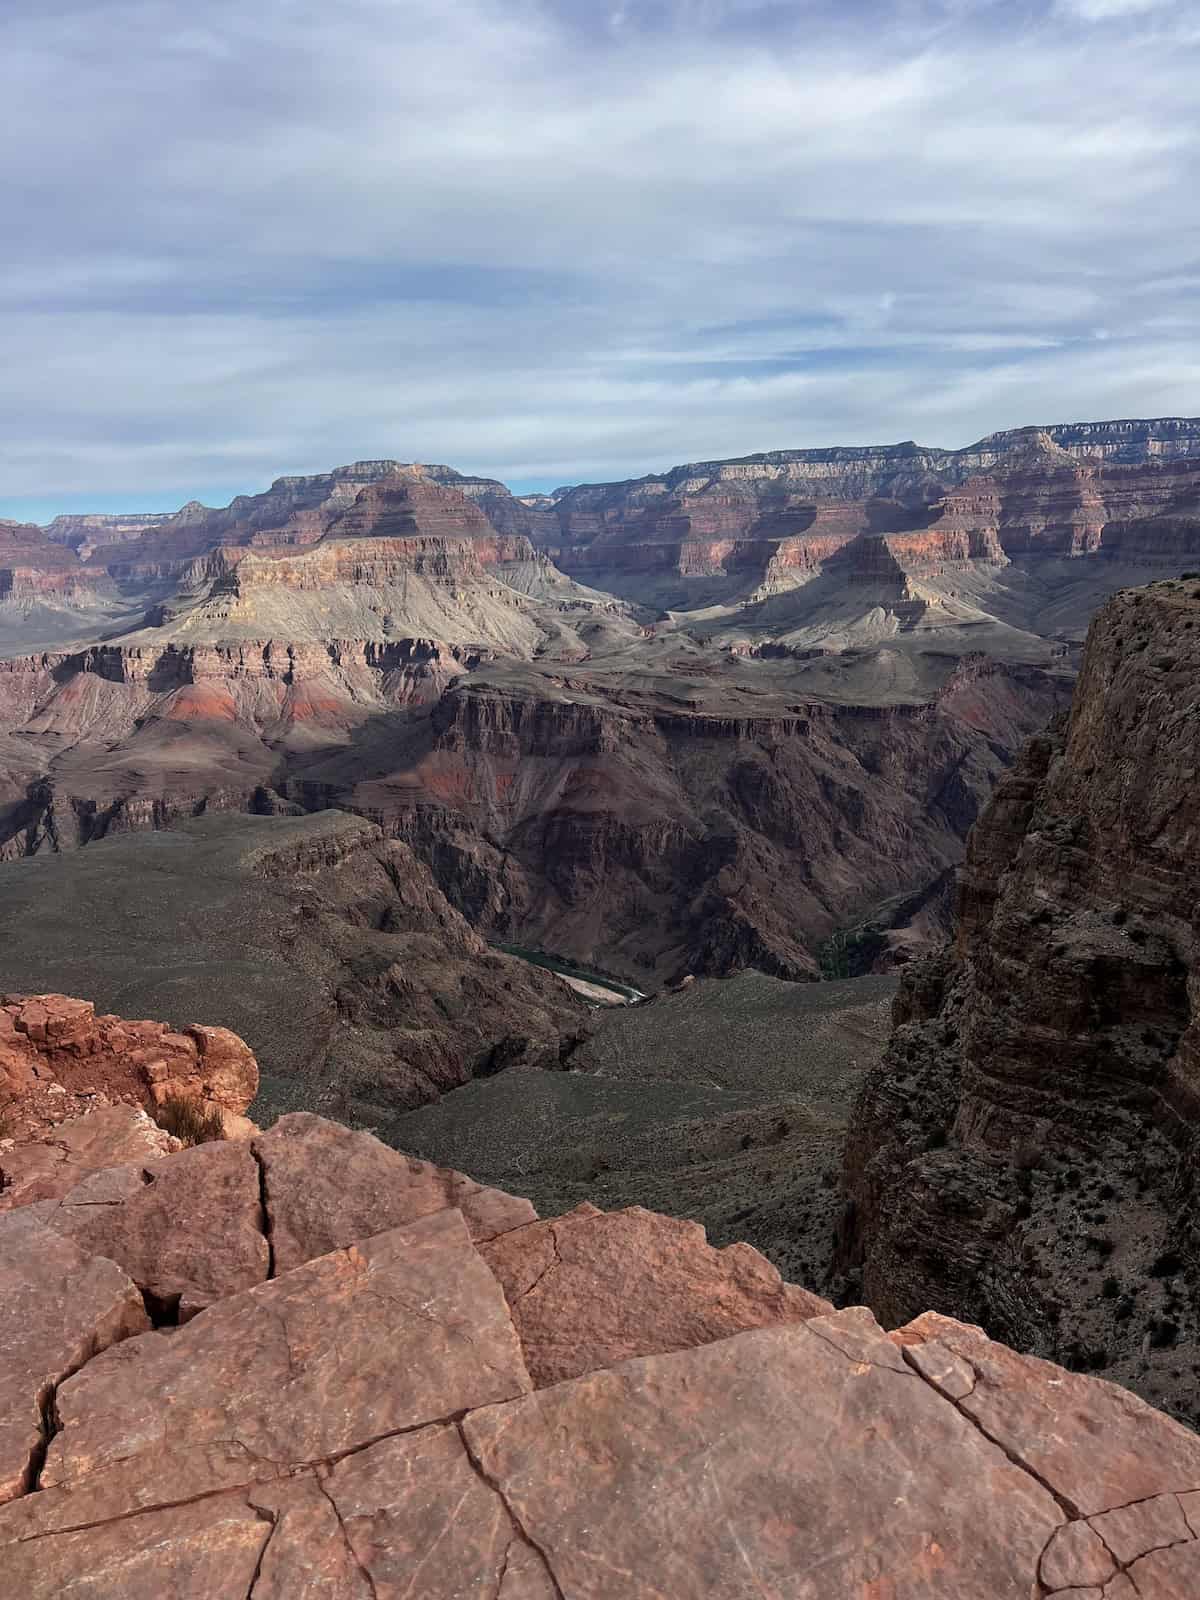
column 700, row 827
column 57, row 1057
column 1025, row 1155
column 596, row 1406
column 714, row 717
column 328, row 948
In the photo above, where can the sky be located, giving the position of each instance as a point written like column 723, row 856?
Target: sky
column 556, row 241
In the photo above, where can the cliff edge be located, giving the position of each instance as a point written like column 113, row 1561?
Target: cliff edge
column 1025, row 1155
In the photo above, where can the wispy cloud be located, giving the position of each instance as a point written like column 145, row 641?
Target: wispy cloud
column 562, row 240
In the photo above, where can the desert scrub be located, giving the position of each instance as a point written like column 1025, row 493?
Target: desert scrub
column 191, row 1121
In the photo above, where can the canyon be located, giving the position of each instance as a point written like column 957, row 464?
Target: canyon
column 285, row 1356
column 740, row 713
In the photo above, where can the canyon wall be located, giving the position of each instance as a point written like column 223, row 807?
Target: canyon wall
column 655, row 835
column 1026, row 1155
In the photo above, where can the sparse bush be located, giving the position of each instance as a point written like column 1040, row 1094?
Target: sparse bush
column 1110, row 1288
column 191, row 1121
column 851, row 952
column 1167, row 1264
column 1101, row 1244
column 1026, row 1158
column 1163, row 1333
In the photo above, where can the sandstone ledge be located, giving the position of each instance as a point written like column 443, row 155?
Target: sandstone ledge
column 409, row 1398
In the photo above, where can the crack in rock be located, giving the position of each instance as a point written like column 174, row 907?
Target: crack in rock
column 273, row 1523
column 550, row 1265
column 346, row 1540
column 522, row 1531
column 267, row 1224
column 49, row 1424
column 1069, row 1510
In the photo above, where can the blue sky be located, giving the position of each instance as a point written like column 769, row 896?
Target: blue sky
column 553, row 240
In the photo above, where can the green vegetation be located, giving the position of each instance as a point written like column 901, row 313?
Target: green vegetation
column 850, row 953
column 569, row 969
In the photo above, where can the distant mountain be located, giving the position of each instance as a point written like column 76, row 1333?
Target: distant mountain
column 711, row 718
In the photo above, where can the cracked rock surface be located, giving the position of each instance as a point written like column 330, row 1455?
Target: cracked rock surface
column 594, row 1407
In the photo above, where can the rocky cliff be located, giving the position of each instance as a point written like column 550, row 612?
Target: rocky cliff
column 704, row 825
column 350, row 1375
column 611, row 766
column 1025, row 1156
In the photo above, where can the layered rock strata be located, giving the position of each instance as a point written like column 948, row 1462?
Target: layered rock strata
column 654, row 833
column 1025, row 1156
column 379, row 1420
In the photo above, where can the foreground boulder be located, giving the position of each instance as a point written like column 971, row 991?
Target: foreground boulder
column 598, row 1407
column 675, row 1290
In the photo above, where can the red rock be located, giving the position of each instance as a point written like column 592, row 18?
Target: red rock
column 58, row 1308
column 326, row 1186
column 676, row 1291
column 1076, row 1557
column 57, row 1058
column 111, row 1136
column 397, row 1501
column 308, row 1555
column 768, row 1463
column 402, row 1330
column 364, row 1427
column 1165, row 1575
column 1135, row 1530
column 205, row 1549
column 188, row 1229
column 1051, row 1421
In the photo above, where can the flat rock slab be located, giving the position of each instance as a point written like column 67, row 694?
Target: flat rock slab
column 58, row 1308
column 592, row 1288
column 327, row 1186
column 599, row 1407
column 188, row 1229
column 1097, row 1446
column 405, row 1329
column 110, row 1136
column 422, row 1521
column 279, row 1541
column 768, row 1464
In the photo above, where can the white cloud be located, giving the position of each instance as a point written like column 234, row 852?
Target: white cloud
column 258, row 239
column 1108, row 10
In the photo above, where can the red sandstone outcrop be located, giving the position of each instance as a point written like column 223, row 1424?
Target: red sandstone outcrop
column 1025, row 1156
column 676, row 1291
column 378, row 1421
column 57, row 1058
column 109, row 1136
